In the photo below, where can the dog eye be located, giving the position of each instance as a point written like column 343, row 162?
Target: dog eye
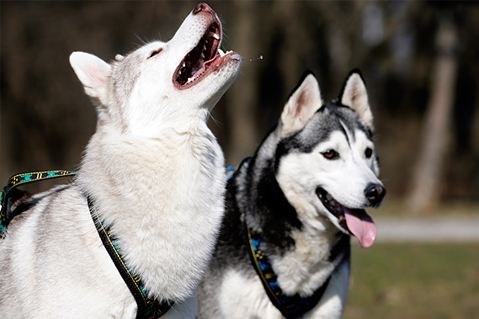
column 154, row 53
column 330, row 154
column 368, row 152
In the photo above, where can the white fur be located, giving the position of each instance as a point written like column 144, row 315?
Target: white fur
column 156, row 174
column 306, row 268
column 334, row 299
column 244, row 297
column 345, row 178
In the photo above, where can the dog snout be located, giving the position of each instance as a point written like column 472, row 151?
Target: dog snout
column 375, row 193
column 202, row 7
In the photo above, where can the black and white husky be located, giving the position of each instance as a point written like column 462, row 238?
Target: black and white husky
column 284, row 247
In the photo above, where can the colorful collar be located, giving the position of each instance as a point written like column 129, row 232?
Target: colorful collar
column 290, row 306
column 20, row 179
column 148, row 308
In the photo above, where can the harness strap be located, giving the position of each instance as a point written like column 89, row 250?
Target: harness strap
column 21, row 179
column 231, row 170
column 148, row 308
column 291, row 307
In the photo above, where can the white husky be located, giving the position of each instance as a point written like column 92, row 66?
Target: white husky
column 155, row 173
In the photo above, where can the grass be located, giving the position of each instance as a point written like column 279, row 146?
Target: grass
column 414, row 281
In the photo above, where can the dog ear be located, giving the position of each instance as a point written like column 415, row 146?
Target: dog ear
column 354, row 95
column 302, row 104
column 92, row 72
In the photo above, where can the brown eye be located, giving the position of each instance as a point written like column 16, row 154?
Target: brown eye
column 331, row 154
column 154, row 53
column 368, row 152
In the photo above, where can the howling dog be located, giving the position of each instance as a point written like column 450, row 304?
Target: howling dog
column 153, row 178
column 284, row 245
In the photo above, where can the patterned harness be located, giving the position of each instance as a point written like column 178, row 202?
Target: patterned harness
column 148, row 308
column 291, row 307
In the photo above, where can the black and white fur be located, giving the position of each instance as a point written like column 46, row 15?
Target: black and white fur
column 316, row 147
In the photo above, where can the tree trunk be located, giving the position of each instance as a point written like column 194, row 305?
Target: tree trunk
column 241, row 110
column 426, row 180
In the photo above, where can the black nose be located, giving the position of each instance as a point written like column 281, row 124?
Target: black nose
column 375, row 193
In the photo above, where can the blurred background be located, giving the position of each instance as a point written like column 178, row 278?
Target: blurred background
column 419, row 59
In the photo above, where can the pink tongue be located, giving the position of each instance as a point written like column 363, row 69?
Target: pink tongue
column 361, row 225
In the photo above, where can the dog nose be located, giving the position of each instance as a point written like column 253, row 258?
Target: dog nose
column 202, row 7
column 375, row 193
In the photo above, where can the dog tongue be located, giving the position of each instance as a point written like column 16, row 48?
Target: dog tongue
column 361, row 225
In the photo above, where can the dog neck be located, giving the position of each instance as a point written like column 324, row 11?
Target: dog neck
column 178, row 186
column 304, row 248
column 291, row 306
column 151, row 307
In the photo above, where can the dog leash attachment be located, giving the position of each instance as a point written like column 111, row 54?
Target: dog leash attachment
column 148, row 308
column 291, row 307
column 21, row 179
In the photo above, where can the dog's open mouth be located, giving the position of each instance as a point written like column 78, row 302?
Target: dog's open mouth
column 202, row 60
column 356, row 221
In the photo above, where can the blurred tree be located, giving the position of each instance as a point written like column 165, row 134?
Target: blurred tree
column 242, row 108
column 46, row 119
column 426, row 181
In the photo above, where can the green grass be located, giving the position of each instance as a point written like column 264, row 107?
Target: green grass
column 398, row 281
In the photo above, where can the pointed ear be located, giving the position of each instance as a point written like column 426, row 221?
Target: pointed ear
column 92, row 72
column 355, row 96
column 302, row 104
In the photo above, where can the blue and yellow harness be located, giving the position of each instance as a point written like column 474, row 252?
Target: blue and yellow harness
column 148, row 308
column 291, row 307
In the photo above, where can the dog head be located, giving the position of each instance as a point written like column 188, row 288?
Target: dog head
column 162, row 83
column 326, row 158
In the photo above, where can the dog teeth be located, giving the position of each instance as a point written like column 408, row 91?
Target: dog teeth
column 214, row 35
column 222, row 53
